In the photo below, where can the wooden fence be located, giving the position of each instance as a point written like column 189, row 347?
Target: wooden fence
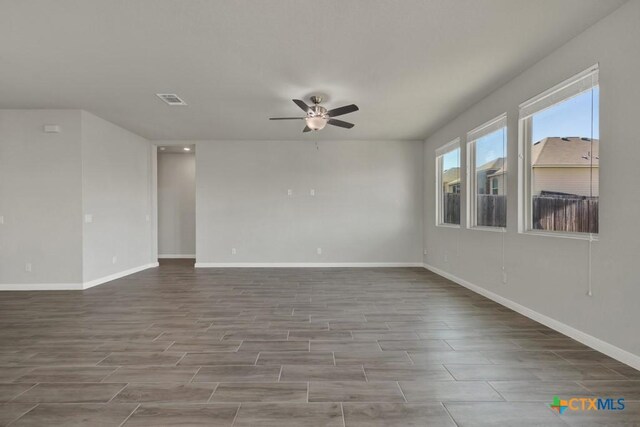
column 549, row 212
column 451, row 208
column 565, row 213
column 492, row 210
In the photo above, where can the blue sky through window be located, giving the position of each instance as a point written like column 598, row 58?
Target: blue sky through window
column 451, row 159
column 569, row 118
column 491, row 147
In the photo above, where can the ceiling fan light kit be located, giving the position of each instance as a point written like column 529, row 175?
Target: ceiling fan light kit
column 318, row 116
column 316, row 122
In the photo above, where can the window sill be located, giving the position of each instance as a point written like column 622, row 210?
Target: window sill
column 492, row 229
column 448, row 225
column 574, row 236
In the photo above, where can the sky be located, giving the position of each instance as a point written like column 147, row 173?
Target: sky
column 569, row 118
column 451, row 159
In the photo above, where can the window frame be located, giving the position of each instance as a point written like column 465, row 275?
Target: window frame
column 525, row 187
column 473, row 136
column 440, row 152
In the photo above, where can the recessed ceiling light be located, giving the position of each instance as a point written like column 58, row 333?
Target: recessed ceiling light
column 187, row 149
column 162, row 148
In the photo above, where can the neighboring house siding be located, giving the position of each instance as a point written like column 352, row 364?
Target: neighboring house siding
column 452, row 187
column 571, row 180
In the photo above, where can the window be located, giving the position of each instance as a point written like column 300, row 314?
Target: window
column 495, row 188
column 487, row 160
column 561, row 154
column 448, row 184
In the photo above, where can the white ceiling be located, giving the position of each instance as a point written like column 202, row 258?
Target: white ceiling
column 408, row 64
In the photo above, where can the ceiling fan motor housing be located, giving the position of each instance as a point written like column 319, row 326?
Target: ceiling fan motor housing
column 317, row 110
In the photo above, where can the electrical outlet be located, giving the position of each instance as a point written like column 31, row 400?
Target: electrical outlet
column 312, row 192
column 446, row 256
column 289, row 192
column 504, row 277
column 147, row 217
column 27, row 267
column 424, row 252
column 233, row 251
column 114, row 259
column 319, row 251
column 1, row 219
column 88, row 218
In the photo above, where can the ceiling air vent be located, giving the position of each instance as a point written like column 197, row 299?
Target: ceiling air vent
column 171, row 99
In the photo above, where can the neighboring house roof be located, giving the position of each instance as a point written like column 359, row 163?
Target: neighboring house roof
column 494, row 164
column 495, row 167
column 565, row 152
column 499, row 172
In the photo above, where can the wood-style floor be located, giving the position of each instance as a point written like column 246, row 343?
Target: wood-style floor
column 291, row 347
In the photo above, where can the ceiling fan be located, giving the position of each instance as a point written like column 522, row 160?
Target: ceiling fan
column 318, row 116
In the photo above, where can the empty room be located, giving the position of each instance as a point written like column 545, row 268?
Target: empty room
column 332, row 213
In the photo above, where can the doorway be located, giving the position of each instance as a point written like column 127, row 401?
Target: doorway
column 176, row 204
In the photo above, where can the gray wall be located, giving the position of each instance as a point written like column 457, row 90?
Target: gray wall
column 40, row 197
column 367, row 206
column 549, row 274
column 176, row 204
column 50, row 181
column 116, row 190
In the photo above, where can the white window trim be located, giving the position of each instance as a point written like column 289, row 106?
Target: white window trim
column 487, row 228
column 569, row 88
column 440, row 152
column 562, row 234
column 485, row 129
column 449, row 146
column 561, row 92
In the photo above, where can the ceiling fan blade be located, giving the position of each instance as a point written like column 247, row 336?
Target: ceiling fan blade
column 302, row 105
column 340, row 123
column 306, row 129
column 342, row 110
column 286, row 118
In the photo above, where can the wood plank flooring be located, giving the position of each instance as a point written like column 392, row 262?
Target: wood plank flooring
column 291, row 347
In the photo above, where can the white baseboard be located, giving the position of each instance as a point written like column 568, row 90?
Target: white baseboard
column 73, row 286
column 41, row 287
column 109, row 278
column 304, row 264
column 177, row 256
column 610, row 350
